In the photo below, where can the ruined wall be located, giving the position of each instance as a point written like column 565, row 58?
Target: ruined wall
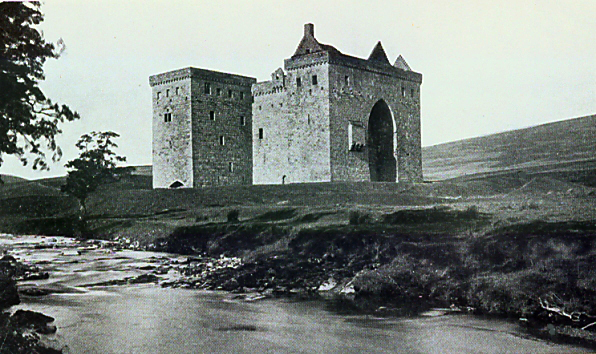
column 354, row 91
column 295, row 123
column 172, row 135
column 221, row 129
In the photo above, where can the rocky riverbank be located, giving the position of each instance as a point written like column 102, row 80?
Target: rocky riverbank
column 540, row 273
column 21, row 330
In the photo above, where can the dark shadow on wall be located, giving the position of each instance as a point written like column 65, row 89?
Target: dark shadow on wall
column 382, row 164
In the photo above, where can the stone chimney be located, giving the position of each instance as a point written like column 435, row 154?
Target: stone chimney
column 309, row 30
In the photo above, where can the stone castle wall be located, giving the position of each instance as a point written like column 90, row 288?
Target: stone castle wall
column 295, row 124
column 222, row 127
column 208, row 140
column 354, row 93
column 309, row 123
column 172, row 147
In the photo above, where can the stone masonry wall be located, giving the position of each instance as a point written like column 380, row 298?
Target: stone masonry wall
column 307, row 124
column 295, row 124
column 192, row 146
column 222, row 127
column 354, row 93
column 172, row 153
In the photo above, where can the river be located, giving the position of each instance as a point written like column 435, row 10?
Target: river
column 145, row 318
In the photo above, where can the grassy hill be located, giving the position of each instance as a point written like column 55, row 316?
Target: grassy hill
column 564, row 149
column 9, row 179
column 546, row 160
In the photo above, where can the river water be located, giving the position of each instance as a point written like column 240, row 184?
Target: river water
column 145, row 318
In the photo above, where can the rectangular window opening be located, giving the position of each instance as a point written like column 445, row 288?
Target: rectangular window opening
column 412, row 92
column 350, row 136
column 231, row 166
column 260, row 133
column 230, row 93
column 347, row 80
column 167, row 117
column 158, row 95
column 315, row 81
column 403, row 91
column 241, row 95
column 242, row 121
column 211, row 115
column 168, row 93
column 298, row 82
column 222, row 140
column 207, row 88
column 218, row 91
column 177, row 91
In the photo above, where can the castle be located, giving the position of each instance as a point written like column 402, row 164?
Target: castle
column 325, row 117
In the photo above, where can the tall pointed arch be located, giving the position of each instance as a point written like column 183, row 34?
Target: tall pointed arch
column 381, row 144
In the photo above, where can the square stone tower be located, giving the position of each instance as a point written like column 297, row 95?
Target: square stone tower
column 202, row 125
column 333, row 117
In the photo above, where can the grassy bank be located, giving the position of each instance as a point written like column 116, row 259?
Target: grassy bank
column 512, row 245
column 539, row 271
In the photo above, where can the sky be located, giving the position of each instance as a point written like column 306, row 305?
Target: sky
column 488, row 66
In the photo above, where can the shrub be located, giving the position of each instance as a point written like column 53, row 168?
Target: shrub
column 233, row 215
column 277, row 215
column 357, row 217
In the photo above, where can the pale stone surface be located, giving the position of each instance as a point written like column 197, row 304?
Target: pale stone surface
column 325, row 117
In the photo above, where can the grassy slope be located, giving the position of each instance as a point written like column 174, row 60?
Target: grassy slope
column 11, row 179
column 565, row 146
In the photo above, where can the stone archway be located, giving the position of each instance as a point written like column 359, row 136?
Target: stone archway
column 381, row 144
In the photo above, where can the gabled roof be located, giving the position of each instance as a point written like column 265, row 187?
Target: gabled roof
column 309, row 44
column 400, row 63
column 378, row 54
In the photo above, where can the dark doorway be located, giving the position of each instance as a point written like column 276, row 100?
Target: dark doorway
column 176, row 184
column 381, row 160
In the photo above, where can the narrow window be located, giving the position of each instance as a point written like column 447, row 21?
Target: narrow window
column 241, row 95
column 308, row 120
column 218, row 91
column 222, row 140
column 403, row 91
column 412, row 92
column 177, row 91
column 168, row 93
column 347, row 80
column 167, row 117
column 260, row 133
column 350, row 137
column 242, row 121
column 231, row 167
column 158, row 95
column 298, row 82
column 314, row 80
column 207, row 88
column 260, row 108
column 230, row 93
column 212, row 115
